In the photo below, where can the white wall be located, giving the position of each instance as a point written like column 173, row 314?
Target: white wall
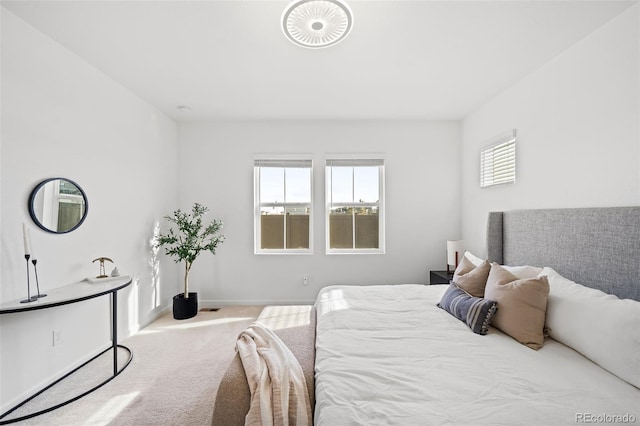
column 422, row 210
column 61, row 117
column 578, row 121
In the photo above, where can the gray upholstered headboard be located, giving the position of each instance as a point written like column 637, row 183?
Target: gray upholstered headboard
column 596, row 247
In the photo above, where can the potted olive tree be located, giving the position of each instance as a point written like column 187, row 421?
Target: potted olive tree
column 185, row 245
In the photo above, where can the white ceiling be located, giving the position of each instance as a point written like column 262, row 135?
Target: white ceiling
column 229, row 60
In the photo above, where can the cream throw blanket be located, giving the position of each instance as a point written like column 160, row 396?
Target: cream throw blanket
column 279, row 395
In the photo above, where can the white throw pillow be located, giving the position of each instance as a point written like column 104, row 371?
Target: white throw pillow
column 474, row 259
column 600, row 326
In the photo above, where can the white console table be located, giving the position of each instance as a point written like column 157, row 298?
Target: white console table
column 73, row 293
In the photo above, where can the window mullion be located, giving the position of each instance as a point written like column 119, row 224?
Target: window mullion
column 284, row 208
column 353, row 209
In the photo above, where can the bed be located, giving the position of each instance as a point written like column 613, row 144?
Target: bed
column 391, row 354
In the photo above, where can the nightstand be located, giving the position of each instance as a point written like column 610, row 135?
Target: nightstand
column 440, row 277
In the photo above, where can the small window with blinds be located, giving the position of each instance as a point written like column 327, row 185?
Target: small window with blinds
column 498, row 161
column 282, row 205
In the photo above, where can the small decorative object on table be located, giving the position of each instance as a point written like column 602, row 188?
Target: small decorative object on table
column 34, row 261
column 185, row 244
column 27, row 256
column 102, row 273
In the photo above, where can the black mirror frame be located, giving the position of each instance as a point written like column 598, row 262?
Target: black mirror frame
column 35, row 219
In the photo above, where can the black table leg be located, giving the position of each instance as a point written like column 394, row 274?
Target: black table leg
column 114, row 331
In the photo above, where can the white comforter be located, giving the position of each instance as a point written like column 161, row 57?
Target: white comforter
column 387, row 355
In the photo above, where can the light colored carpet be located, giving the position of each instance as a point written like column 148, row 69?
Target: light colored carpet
column 172, row 380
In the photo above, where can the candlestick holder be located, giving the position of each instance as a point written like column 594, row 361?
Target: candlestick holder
column 29, row 298
column 35, row 268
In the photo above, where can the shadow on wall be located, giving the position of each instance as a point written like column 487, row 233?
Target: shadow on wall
column 154, row 266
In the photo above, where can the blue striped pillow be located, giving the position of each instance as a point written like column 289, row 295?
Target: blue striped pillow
column 476, row 312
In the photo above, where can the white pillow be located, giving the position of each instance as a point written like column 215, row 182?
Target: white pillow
column 522, row 272
column 474, row 259
column 600, row 326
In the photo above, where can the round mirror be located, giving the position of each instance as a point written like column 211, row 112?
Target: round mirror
column 58, row 205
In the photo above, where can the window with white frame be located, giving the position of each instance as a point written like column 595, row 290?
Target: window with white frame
column 498, row 161
column 283, row 205
column 354, row 205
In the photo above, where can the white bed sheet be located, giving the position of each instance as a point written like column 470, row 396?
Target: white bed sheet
column 387, row 355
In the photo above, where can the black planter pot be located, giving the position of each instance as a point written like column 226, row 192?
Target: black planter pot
column 185, row 308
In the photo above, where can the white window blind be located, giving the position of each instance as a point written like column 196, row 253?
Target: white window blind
column 498, row 162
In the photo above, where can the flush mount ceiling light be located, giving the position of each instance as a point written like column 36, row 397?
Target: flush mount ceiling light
column 317, row 23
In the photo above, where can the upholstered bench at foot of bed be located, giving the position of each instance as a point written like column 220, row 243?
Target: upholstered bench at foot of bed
column 296, row 327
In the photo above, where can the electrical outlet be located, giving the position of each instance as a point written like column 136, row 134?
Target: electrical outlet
column 56, row 338
column 305, row 280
